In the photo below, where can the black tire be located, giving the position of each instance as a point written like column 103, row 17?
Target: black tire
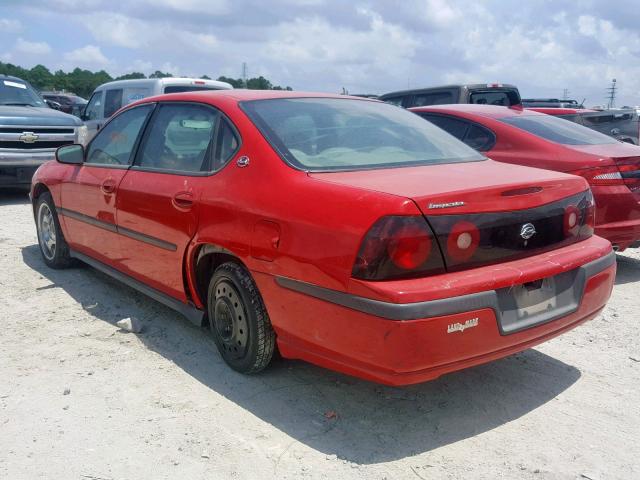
column 238, row 320
column 54, row 248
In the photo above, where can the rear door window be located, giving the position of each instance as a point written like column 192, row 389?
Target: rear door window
column 112, row 102
column 479, row 138
column 453, row 126
column 179, row 139
column 113, row 145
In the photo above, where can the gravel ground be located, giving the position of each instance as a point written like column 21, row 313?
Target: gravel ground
column 80, row 399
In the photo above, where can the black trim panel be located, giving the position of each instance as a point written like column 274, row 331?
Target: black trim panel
column 195, row 315
column 111, row 227
column 446, row 306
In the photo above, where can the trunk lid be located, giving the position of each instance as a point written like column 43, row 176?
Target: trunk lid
column 471, row 187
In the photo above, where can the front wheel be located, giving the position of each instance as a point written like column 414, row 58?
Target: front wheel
column 53, row 246
column 238, row 320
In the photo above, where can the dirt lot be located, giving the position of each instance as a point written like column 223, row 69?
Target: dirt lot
column 79, row 399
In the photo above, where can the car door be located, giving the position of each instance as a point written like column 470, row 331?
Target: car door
column 157, row 205
column 88, row 199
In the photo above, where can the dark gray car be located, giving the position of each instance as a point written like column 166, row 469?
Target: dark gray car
column 30, row 131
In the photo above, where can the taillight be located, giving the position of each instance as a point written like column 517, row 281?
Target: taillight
column 398, row 247
column 623, row 174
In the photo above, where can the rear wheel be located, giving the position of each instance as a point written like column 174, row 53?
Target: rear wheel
column 53, row 247
column 238, row 320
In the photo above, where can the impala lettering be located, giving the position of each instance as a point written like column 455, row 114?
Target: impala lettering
column 461, row 327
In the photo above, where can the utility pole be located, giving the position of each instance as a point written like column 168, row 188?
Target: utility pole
column 611, row 92
column 244, row 74
column 565, row 94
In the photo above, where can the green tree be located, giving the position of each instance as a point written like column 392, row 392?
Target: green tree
column 159, row 74
column 131, row 76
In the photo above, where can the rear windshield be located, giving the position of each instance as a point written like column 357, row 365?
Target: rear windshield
column 558, row 130
column 504, row 98
column 320, row 134
column 187, row 88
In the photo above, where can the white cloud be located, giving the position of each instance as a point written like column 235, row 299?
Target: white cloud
column 8, row 25
column 31, row 48
column 89, row 55
column 206, row 7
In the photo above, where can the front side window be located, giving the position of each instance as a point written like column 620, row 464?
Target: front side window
column 179, row 138
column 94, row 107
column 320, row 134
column 112, row 102
column 113, row 145
column 558, row 130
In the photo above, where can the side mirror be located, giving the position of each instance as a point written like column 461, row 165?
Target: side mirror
column 71, row 154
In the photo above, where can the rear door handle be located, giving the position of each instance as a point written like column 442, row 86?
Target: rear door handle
column 108, row 186
column 183, row 200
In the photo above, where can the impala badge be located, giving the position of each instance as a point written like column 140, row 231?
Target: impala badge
column 527, row 231
column 461, row 327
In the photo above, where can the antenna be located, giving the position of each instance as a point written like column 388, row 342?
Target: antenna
column 611, row 92
column 244, row 74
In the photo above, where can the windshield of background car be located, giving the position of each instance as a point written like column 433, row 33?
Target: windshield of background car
column 558, row 130
column 17, row 93
column 320, row 134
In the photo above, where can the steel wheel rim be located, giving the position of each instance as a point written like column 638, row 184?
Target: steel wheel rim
column 230, row 320
column 46, row 231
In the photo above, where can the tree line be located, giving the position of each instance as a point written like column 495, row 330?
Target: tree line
column 83, row 82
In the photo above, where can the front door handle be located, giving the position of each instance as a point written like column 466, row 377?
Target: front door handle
column 183, row 201
column 108, row 186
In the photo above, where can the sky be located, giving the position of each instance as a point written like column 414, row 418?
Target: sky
column 541, row 46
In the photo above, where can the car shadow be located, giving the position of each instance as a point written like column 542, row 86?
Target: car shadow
column 628, row 269
column 356, row 420
column 13, row 197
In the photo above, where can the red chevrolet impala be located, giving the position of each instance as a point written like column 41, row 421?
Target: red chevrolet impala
column 343, row 231
column 524, row 137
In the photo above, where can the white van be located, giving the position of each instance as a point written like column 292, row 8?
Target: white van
column 109, row 97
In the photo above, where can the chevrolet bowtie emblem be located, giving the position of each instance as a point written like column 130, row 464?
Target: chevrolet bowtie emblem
column 28, row 137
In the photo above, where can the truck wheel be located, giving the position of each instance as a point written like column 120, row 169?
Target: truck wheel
column 53, row 247
column 238, row 320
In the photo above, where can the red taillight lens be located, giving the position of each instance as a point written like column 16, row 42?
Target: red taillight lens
column 398, row 247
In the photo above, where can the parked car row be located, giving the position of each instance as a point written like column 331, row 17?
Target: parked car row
column 345, row 231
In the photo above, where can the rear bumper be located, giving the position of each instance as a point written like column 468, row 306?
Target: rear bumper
column 18, row 166
column 400, row 344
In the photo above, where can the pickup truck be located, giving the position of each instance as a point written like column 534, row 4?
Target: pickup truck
column 30, row 132
column 480, row 93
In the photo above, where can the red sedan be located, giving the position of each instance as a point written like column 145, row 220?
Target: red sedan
column 529, row 138
column 343, row 231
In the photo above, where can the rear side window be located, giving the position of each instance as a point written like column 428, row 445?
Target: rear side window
column 479, row 138
column 227, row 144
column 112, row 102
column 114, row 143
column 179, row 138
column 558, row 130
column 433, row 98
